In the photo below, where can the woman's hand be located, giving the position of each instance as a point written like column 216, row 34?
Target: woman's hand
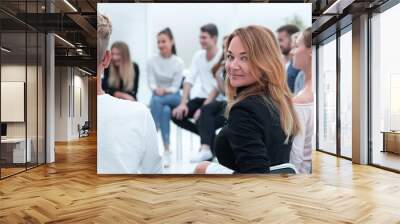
column 124, row 96
column 160, row 91
column 201, row 168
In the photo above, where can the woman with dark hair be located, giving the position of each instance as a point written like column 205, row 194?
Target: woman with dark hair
column 165, row 74
column 122, row 77
column 261, row 116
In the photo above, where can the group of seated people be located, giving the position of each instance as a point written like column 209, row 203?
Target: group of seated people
column 257, row 88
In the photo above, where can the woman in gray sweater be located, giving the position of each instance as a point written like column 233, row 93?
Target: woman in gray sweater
column 165, row 77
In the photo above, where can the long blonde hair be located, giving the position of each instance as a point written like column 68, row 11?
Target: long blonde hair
column 104, row 29
column 267, row 68
column 125, row 72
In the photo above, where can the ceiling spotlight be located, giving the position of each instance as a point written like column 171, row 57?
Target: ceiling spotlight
column 84, row 71
column 70, row 5
column 338, row 6
column 5, row 50
column 64, row 40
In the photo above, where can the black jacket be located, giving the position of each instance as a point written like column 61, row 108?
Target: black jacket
column 252, row 139
column 110, row 90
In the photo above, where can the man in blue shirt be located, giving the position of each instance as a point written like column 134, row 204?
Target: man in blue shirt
column 285, row 43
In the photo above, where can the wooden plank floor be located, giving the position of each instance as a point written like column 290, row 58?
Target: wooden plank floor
column 10, row 171
column 70, row 191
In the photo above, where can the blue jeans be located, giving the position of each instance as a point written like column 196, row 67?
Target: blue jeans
column 161, row 107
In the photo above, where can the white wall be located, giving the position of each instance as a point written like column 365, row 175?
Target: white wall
column 33, row 125
column 12, row 99
column 137, row 24
column 69, row 82
column 61, row 111
column 17, row 73
column 81, row 84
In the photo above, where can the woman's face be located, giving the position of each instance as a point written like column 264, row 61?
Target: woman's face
column 237, row 64
column 116, row 57
column 301, row 54
column 164, row 44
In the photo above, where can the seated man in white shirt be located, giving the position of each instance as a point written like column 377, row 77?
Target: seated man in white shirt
column 126, row 137
column 201, row 66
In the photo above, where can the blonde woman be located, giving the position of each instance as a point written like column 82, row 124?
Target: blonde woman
column 261, row 116
column 300, row 156
column 122, row 78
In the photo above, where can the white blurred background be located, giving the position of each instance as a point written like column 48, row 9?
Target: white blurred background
column 137, row 24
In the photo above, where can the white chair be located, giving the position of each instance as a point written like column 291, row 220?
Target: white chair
column 179, row 152
column 179, row 143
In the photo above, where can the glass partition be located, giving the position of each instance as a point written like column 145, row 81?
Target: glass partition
column 31, row 100
column 14, row 154
column 41, row 111
column 22, row 78
column 385, row 89
column 346, row 94
column 327, row 96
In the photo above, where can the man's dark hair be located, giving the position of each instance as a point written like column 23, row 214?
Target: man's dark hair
column 210, row 29
column 289, row 29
